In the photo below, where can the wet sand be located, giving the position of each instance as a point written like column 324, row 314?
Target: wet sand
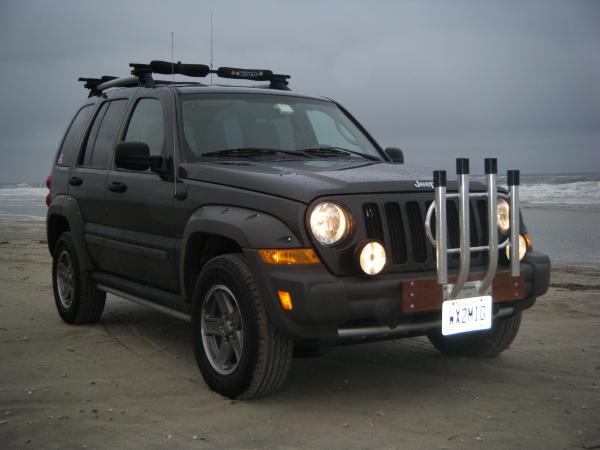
column 131, row 381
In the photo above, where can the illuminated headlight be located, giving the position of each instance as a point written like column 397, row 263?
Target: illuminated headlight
column 329, row 223
column 503, row 214
column 522, row 247
column 372, row 258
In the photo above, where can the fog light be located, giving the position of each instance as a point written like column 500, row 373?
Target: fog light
column 524, row 242
column 285, row 298
column 372, row 258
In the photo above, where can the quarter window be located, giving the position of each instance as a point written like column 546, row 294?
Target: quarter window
column 147, row 125
column 68, row 149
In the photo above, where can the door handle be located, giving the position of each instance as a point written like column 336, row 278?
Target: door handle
column 117, row 187
column 75, row 181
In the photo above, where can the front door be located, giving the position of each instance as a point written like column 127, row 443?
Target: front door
column 140, row 231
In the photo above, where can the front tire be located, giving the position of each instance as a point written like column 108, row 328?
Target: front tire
column 481, row 344
column 77, row 299
column 239, row 352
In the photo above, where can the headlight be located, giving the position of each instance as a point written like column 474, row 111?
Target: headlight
column 503, row 214
column 329, row 223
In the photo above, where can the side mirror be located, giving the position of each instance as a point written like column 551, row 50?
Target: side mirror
column 395, row 154
column 136, row 156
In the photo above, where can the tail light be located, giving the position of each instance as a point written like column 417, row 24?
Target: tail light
column 48, row 185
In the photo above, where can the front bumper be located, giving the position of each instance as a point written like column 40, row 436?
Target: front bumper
column 324, row 305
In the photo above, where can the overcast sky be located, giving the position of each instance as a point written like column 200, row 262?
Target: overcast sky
column 519, row 80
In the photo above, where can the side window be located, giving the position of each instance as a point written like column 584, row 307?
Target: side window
column 68, row 149
column 101, row 140
column 147, row 125
column 86, row 158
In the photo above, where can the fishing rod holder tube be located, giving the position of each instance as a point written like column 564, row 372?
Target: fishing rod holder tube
column 440, row 240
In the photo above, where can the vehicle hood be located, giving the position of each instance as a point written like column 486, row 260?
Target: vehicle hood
column 307, row 180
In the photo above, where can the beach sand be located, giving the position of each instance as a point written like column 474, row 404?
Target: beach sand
column 131, row 381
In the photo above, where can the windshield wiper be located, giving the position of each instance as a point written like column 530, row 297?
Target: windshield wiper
column 337, row 151
column 251, row 151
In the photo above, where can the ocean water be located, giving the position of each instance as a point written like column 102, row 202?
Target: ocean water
column 561, row 211
column 23, row 201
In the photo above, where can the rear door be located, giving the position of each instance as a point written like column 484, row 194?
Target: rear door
column 139, row 222
column 87, row 181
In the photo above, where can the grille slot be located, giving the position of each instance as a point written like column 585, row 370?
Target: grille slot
column 373, row 221
column 482, row 210
column 417, row 232
column 397, row 235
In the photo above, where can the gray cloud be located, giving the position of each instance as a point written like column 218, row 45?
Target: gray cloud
column 517, row 80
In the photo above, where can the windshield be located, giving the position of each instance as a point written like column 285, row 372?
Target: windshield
column 271, row 126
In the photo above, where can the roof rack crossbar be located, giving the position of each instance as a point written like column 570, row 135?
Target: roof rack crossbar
column 119, row 82
column 93, row 83
column 141, row 75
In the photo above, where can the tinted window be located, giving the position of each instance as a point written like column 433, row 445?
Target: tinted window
column 105, row 141
column 103, row 134
column 147, row 125
column 68, row 149
column 86, row 158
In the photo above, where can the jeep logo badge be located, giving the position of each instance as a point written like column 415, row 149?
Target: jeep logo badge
column 424, row 184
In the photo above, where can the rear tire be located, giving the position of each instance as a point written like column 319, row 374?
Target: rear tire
column 239, row 352
column 77, row 299
column 481, row 344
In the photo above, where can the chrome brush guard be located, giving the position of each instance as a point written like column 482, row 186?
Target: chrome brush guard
column 440, row 241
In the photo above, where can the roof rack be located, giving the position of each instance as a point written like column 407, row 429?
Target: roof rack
column 142, row 76
column 93, row 83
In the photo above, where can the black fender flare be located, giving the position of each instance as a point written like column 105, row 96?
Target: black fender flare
column 250, row 229
column 67, row 207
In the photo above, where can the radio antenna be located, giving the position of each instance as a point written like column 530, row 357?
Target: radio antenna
column 172, row 61
column 211, row 47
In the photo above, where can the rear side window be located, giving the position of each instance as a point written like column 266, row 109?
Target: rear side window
column 68, row 149
column 147, row 125
column 102, row 137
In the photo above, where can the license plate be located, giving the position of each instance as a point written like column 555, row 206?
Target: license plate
column 466, row 314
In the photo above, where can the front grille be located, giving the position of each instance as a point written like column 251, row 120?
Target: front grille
column 400, row 226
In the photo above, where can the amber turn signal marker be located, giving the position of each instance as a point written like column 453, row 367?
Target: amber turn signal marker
column 527, row 239
column 285, row 298
column 288, row 256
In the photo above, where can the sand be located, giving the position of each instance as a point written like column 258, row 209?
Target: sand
column 131, row 381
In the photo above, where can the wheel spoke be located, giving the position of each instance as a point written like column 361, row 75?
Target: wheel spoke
column 63, row 271
column 212, row 326
column 224, row 354
column 235, row 317
column 224, row 302
column 236, row 344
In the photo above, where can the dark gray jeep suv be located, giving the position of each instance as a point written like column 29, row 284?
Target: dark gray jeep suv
column 276, row 225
